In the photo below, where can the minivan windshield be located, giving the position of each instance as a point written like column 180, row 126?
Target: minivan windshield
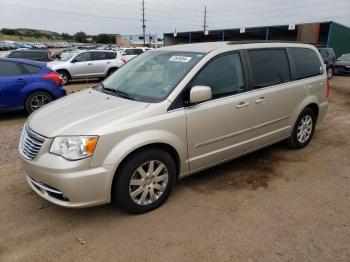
column 151, row 76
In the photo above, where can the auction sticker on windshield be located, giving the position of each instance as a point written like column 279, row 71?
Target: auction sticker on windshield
column 182, row 59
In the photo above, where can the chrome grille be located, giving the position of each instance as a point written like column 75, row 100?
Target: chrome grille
column 30, row 143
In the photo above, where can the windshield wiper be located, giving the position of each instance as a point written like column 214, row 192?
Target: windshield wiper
column 118, row 92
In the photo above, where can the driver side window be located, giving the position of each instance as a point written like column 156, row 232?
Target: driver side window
column 83, row 57
column 224, row 75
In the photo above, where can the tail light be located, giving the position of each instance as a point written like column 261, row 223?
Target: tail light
column 55, row 77
column 327, row 90
column 123, row 59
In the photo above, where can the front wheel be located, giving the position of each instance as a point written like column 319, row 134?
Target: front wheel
column 145, row 181
column 37, row 100
column 303, row 129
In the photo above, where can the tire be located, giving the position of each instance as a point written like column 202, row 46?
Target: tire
column 65, row 77
column 37, row 100
column 329, row 72
column 303, row 130
column 135, row 197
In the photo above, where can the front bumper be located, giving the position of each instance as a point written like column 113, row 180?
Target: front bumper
column 59, row 92
column 342, row 70
column 69, row 183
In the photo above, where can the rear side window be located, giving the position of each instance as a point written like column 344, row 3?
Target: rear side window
column 15, row 55
column 138, row 51
column 129, row 52
column 269, row 67
column 223, row 75
column 99, row 55
column 133, row 52
column 83, row 57
column 32, row 69
column 307, row 63
column 28, row 55
column 9, row 69
column 111, row 55
column 38, row 55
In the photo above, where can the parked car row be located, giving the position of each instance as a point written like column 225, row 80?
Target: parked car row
column 12, row 45
column 73, row 63
column 80, row 63
column 29, row 79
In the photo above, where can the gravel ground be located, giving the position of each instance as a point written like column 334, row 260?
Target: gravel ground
column 274, row 205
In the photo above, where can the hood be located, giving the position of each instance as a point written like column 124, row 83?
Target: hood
column 342, row 63
column 83, row 113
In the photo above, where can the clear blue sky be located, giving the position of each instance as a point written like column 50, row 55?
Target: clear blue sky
column 116, row 16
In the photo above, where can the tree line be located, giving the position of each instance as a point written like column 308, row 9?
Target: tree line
column 80, row 37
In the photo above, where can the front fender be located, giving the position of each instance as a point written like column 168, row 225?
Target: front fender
column 133, row 142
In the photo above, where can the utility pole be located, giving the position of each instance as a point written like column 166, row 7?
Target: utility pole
column 143, row 22
column 205, row 26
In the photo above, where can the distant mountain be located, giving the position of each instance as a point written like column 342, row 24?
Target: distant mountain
column 25, row 31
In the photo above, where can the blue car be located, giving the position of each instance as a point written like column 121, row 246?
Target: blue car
column 28, row 85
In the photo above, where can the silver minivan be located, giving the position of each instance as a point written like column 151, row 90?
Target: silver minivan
column 169, row 113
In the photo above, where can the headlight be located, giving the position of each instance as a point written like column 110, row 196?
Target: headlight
column 74, row 147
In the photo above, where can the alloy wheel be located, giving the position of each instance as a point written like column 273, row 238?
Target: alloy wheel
column 148, row 182
column 39, row 101
column 304, row 129
column 64, row 79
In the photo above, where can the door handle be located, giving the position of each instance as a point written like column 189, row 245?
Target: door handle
column 260, row 100
column 308, row 86
column 108, row 62
column 89, row 63
column 242, row 104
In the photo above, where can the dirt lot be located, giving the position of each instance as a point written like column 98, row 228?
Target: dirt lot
column 274, row 205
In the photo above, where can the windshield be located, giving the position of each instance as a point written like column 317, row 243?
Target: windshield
column 67, row 56
column 344, row 57
column 152, row 76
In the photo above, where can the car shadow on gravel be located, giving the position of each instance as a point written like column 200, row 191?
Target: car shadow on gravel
column 251, row 171
column 13, row 115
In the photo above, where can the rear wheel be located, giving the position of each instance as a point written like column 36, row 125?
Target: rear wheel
column 145, row 181
column 37, row 100
column 303, row 129
column 330, row 72
column 65, row 77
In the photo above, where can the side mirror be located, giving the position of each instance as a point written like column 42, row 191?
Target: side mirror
column 200, row 94
column 74, row 61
